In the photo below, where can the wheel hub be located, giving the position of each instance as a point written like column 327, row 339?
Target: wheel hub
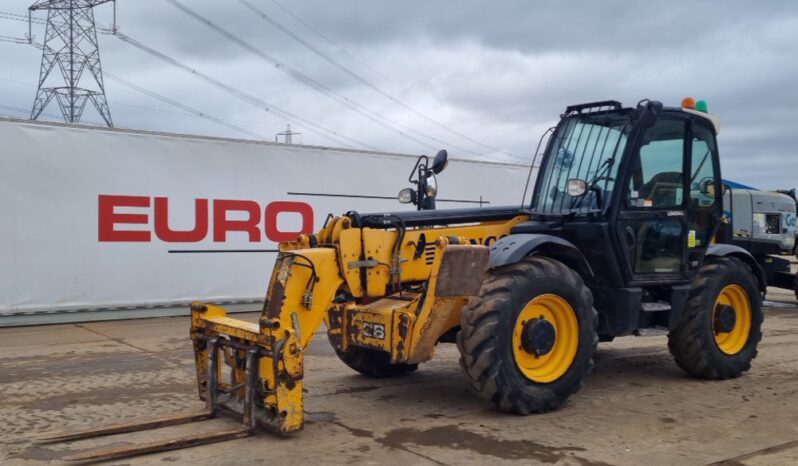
column 538, row 337
column 725, row 318
column 545, row 338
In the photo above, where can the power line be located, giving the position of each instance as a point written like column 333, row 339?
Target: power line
column 27, row 84
column 362, row 63
column 359, row 78
column 174, row 112
column 34, row 20
column 127, row 104
column 18, row 82
column 152, row 109
column 248, row 98
column 197, row 113
column 320, row 88
column 331, row 42
column 26, row 111
column 372, row 115
column 48, row 115
column 13, row 40
column 22, row 18
column 185, row 108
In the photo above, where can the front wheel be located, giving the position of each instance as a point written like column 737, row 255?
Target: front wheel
column 372, row 363
column 528, row 340
column 721, row 327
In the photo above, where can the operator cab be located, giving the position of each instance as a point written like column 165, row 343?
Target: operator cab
column 634, row 190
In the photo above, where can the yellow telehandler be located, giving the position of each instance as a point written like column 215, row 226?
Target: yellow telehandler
column 624, row 231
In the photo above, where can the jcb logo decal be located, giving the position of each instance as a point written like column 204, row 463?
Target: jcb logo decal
column 372, row 330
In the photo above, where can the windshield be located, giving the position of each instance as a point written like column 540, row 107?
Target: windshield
column 587, row 147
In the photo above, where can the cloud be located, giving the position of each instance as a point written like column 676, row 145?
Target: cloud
column 499, row 72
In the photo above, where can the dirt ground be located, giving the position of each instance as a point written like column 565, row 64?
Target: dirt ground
column 636, row 408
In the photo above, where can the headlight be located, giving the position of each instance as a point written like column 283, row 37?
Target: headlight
column 432, row 187
column 407, row 196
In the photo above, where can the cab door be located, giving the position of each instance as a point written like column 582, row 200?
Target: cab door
column 705, row 200
column 652, row 222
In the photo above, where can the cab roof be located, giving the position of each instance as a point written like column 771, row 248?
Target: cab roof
column 614, row 106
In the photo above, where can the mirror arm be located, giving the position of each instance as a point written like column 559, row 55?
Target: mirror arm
column 418, row 168
column 596, row 190
column 420, row 191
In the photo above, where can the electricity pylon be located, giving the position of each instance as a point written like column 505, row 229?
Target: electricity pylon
column 288, row 135
column 71, row 43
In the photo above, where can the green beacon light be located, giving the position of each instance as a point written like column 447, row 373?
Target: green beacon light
column 701, row 106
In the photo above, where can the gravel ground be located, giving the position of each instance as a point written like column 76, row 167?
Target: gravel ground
column 636, row 408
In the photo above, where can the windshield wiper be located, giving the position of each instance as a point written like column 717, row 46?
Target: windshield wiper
column 591, row 186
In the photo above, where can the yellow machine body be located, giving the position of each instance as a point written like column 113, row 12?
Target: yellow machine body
column 390, row 286
column 374, row 288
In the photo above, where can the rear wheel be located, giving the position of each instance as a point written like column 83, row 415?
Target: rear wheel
column 722, row 323
column 373, row 363
column 795, row 286
column 528, row 341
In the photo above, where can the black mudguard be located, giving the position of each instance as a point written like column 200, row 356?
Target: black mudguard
column 513, row 248
column 730, row 250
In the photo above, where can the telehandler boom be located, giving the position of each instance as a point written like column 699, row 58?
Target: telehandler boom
column 624, row 232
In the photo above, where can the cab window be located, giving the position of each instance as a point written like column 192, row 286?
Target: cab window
column 703, row 191
column 657, row 180
column 702, row 177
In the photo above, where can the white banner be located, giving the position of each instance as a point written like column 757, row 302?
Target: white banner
column 96, row 218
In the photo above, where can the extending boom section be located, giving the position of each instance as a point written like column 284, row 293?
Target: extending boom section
column 393, row 290
column 389, row 287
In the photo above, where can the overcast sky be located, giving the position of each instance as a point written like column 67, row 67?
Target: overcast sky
column 483, row 79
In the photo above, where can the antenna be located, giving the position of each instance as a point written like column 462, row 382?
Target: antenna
column 70, row 42
column 288, row 135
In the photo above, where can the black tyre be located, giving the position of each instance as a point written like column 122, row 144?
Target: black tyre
column 722, row 322
column 373, row 363
column 795, row 286
column 528, row 341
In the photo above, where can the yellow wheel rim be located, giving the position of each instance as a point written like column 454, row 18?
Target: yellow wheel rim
column 733, row 341
column 547, row 367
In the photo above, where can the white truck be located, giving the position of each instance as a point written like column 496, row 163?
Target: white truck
column 764, row 223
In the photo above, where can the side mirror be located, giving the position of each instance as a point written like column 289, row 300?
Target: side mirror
column 576, row 187
column 440, row 161
column 647, row 112
column 707, row 187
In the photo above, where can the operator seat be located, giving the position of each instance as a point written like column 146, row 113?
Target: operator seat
column 658, row 181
